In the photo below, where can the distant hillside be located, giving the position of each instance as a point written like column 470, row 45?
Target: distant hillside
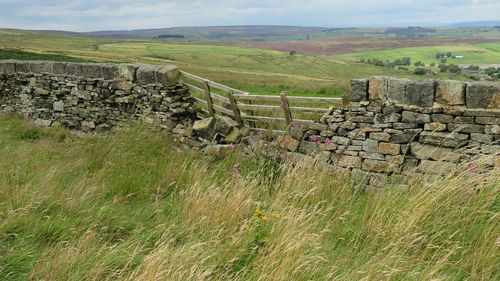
column 213, row 31
column 477, row 23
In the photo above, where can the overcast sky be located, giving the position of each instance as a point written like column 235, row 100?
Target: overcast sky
column 92, row 15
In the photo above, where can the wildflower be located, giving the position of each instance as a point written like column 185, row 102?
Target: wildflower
column 306, row 136
column 236, row 168
column 329, row 141
column 232, row 145
column 265, row 219
column 471, row 168
column 277, row 216
column 314, row 137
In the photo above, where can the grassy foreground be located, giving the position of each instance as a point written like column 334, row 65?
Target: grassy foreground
column 129, row 206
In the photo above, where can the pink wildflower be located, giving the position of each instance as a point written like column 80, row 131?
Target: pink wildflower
column 329, row 141
column 232, row 145
column 318, row 142
column 471, row 167
column 236, row 168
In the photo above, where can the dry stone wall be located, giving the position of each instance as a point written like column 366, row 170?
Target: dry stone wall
column 94, row 97
column 396, row 127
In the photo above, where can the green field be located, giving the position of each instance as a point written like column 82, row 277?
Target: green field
column 254, row 70
column 130, row 206
column 484, row 53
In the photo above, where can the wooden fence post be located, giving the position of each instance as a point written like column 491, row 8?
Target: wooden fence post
column 234, row 106
column 286, row 108
column 209, row 99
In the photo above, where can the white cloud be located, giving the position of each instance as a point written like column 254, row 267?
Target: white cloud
column 83, row 15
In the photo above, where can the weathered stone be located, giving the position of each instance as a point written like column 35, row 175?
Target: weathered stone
column 308, row 147
column 482, row 138
column 22, row 66
column 378, row 180
column 402, row 126
column 465, row 128
column 463, row 120
column 58, row 106
column 223, row 125
column 8, row 67
column 359, row 90
column 415, row 118
column 482, row 113
column 347, row 161
column 126, row 71
column 426, row 152
column 41, row 91
column 328, row 147
column 450, row 92
column 204, row 127
column 483, row 95
column 218, row 150
column 492, row 129
column 488, row 120
column 437, row 127
column 234, row 136
column 371, row 155
column 146, row 75
column 392, row 109
column 443, row 139
column 389, row 148
column 397, row 90
column 395, row 159
column 287, row 142
column 403, row 137
column 378, row 87
column 441, row 118
column 168, row 75
column 387, row 118
column 121, row 85
column 380, row 136
column 341, row 140
column 370, row 145
column 40, row 67
column 378, row 166
column 420, row 93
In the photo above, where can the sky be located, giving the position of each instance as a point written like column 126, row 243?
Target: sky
column 94, row 15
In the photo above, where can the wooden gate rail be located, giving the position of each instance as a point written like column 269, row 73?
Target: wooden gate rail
column 233, row 105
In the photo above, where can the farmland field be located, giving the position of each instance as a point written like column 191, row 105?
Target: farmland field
column 483, row 53
column 255, row 70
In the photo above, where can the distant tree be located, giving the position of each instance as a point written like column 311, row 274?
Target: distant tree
column 433, row 64
column 473, row 67
column 420, row 71
column 454, row 68
column 444, row 60
column 443, row 67
column 419, row 63
column 292, row 53
column 448, row 54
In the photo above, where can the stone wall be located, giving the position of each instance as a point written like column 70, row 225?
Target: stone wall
column 396, row 127
column 94, row 97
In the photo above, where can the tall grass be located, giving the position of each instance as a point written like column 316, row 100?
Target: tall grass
column 131, row 206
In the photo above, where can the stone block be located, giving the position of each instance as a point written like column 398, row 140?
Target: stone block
column 378, row 166
column 58, row 106
column 204, row 127
column 442, row 118
column 328, row 147
column 437, row 127
column 347, row 161
column 378, row 87
column 492, row 129
column 387, row 118
column 127, row 72
column 73, row 69
column 483, row 95
column 7, row 67
column 429, row 152
column 371, row 155
column 359, row 90
column 465, row 128
column 463, row 120
column 59, row 68
column 389, row 148
column 370, row 145
column 168, row 75
column 395, row 159
column 450, row 92
column 482, row 113
column 90, row 70
column 41, row 67
column 122, row 85
column 287, row 142
column 341, row 140
column 415, row 118
column 443, row 139
column 482, row 138
column 146, row 75
column 380, row 136
column 397, row 91
column 420, row 93
column 378, row 180
column 308, row 147
column 488, row 120
column 23, row 66
column 403, row 137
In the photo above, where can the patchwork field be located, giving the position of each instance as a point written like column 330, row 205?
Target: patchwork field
column 255, row 70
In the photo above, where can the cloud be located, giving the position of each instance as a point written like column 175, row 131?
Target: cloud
column 89, row 15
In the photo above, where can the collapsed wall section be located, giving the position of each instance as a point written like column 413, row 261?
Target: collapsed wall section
column 94, row 96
